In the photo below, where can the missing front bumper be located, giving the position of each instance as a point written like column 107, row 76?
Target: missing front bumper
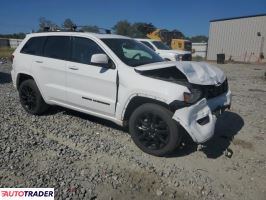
column 199, row 119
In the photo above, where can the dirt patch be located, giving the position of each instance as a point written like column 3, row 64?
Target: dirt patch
column 242, row 143
column 256, row 90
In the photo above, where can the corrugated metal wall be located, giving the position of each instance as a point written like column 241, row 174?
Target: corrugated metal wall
column 237, row 38
column 200, row 49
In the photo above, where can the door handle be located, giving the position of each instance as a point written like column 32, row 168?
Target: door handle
column 73, row 68
column 38, row 61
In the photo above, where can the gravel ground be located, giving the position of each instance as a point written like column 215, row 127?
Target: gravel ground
column 84, row 157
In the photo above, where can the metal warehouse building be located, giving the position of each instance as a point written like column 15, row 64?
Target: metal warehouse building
column 239, row 38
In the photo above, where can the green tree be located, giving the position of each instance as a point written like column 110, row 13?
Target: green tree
column 68, row 23
column 88, row 28
column 123, row 28
column 43, row 23
column 135, row 30
column 14, row 35
column 199, row 38
column 144, row 28
column 178, row 34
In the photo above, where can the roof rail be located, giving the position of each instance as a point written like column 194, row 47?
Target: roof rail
column 72, row 28
column 56, row 29
column 107, row 31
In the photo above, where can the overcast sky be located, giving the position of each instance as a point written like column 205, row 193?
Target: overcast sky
column 191, row 17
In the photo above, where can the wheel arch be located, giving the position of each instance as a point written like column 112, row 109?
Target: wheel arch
column 137, row 101
column 22, row 77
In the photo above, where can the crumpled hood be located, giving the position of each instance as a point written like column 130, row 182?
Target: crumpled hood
column 196, row 72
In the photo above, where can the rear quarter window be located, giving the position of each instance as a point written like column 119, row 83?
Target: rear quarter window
column 34, row 46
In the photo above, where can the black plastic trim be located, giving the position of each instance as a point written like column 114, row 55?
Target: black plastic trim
column 175, row 105
column 97, row 101
column 87, row 98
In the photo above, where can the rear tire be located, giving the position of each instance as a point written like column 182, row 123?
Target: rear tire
column 31, row 98
column 153, row 130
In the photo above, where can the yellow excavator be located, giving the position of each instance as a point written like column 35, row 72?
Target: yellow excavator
column 171, row 38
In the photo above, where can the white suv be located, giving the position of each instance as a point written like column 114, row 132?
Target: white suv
column 119, row 79
column 165, row 52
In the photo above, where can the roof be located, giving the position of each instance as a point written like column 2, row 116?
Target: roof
column 232, row 18
column 84, row 34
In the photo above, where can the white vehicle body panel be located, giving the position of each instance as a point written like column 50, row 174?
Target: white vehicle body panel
column 91, row 87
column 23, row 61
column 51, row 75
column 172, row 55
column 108, row 92
column 132, row 84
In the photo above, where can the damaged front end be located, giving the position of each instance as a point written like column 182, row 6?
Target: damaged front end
column 209, row 95
column 199, row 119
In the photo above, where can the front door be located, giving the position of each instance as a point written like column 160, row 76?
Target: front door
column 90, row 87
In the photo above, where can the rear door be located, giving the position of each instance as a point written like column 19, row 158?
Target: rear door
column 89, row 86
column 50, row 68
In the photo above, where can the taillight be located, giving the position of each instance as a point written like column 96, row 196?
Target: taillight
column 12, row 58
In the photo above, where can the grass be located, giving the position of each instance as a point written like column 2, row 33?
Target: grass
column 5, row 52
column 197, row 58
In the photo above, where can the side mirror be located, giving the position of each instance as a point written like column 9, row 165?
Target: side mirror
column 99, row 59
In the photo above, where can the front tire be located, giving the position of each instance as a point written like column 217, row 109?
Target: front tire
column 31, row 98
column 153, row 130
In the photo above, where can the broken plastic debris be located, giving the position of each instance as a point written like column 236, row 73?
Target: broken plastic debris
column 228, row 153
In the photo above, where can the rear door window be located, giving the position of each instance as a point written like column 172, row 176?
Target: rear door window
column 83, row 49
column 58, row 47
column 34, row 46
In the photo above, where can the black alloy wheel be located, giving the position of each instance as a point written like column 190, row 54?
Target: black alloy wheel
column 28, row 98
column 31, row 98
column 152, row 131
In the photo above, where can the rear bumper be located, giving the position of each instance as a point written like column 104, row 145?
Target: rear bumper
column 199, row 119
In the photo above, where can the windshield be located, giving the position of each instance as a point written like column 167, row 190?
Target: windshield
column 161, row 45
column 131, row 52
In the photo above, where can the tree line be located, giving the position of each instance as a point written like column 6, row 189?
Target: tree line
column 14, row 35
column 123, row 27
